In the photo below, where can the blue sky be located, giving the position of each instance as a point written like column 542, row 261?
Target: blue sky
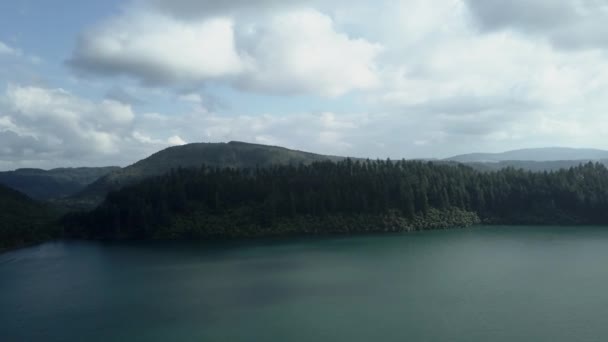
column 109, row 82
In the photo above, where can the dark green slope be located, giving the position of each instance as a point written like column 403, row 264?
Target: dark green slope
column 225, row 155
column 23, row 220
column 52, row 184
column 344, row 197
column 319, row 198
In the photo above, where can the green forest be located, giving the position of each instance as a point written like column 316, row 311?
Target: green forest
column 344, row 197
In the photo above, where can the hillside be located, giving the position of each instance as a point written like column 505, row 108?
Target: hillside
column 233, row 154
column 534, row 154
column 344, row 197
column 320, row 198
column 23, row 220
column 52, row 184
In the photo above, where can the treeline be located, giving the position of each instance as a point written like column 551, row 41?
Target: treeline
column 344, row 197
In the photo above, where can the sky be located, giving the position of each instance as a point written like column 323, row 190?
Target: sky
column 92, row 83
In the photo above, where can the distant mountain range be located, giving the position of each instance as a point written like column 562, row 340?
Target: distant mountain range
column 534, row 154
column 534, row 166
column 52, row 184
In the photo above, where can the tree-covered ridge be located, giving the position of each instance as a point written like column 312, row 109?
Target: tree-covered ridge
column 241, row 155
column 23, row 220
column 224, row 155
column 348, row 196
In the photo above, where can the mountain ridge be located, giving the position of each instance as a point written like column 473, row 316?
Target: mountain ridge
column 542, row 154
column 233, row 154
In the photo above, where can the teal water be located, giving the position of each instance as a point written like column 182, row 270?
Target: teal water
column 482, row 284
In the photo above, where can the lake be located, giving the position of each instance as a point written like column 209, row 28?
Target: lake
column 478, row 284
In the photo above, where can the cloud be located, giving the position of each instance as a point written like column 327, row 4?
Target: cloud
column 159, row 50
column 567, row 24
column 8, row 50
column 53, row 127
column 146, row 139
column 65, row 122
column 322, row 132
column 529, row 15
column 210, row 8
column 15, row 146
column 176, row 140
column 300, row 52
column 203, row 102
column 294, row 51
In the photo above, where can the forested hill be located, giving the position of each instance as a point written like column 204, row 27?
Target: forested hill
column 344, row 197
column 23, row 220
column 52, row 184
column 233, row 154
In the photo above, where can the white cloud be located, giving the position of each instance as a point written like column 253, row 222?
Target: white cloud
column 176, row 140
column 300, row 52
column 117, row 112
column 53, row 127
column 321, row 132
column 66, row 122
column 159, row 49
column 498, row 90
column 145, row 139
column 290, row 51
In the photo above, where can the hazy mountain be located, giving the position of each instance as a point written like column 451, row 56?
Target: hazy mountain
column 233, row 154
column 534, row 166
column 23, row 220
column 52, row 184
column 534, row 154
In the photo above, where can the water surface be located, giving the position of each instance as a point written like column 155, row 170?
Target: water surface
column 481, row 284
